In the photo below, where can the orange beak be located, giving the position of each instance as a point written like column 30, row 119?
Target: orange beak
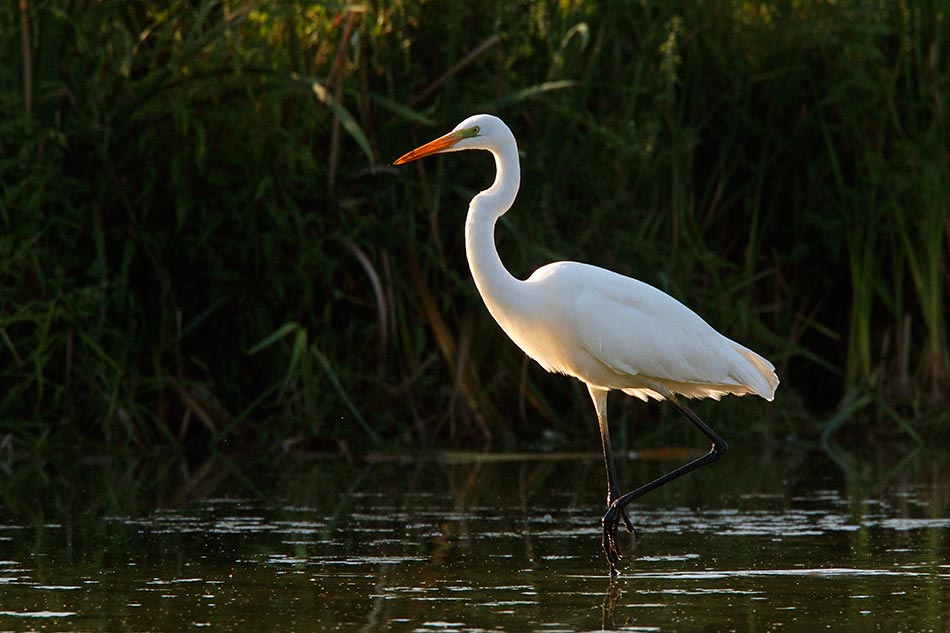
column 433, row 147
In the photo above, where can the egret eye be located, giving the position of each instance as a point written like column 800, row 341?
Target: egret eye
column 476, row 130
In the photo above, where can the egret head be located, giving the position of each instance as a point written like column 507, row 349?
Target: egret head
column 481, row 131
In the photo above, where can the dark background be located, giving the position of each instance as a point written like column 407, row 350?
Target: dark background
column 202, row 243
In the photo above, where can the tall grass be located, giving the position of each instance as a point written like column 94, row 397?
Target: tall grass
column 202, row 241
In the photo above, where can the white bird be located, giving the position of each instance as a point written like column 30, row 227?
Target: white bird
column 607, row 330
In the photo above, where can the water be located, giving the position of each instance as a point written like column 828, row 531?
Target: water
column 474, row 543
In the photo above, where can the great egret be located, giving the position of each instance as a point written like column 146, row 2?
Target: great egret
column 607, row 330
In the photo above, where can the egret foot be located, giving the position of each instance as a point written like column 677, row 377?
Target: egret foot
column 609, row 541
column 628, row 524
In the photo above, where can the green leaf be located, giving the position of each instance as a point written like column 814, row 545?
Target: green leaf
column 349, row 123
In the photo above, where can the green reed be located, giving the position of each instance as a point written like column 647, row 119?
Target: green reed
column 202, row 241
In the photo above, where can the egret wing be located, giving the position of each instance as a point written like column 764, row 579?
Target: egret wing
column 635, row 329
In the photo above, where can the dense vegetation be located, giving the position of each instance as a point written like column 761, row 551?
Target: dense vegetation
column 202, row 240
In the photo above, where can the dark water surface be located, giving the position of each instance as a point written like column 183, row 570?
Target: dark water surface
column 459, row 542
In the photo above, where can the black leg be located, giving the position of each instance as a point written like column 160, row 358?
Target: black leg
column 612, row 517
column 599, row 397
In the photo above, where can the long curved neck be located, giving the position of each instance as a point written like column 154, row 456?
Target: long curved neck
column 494, row 282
